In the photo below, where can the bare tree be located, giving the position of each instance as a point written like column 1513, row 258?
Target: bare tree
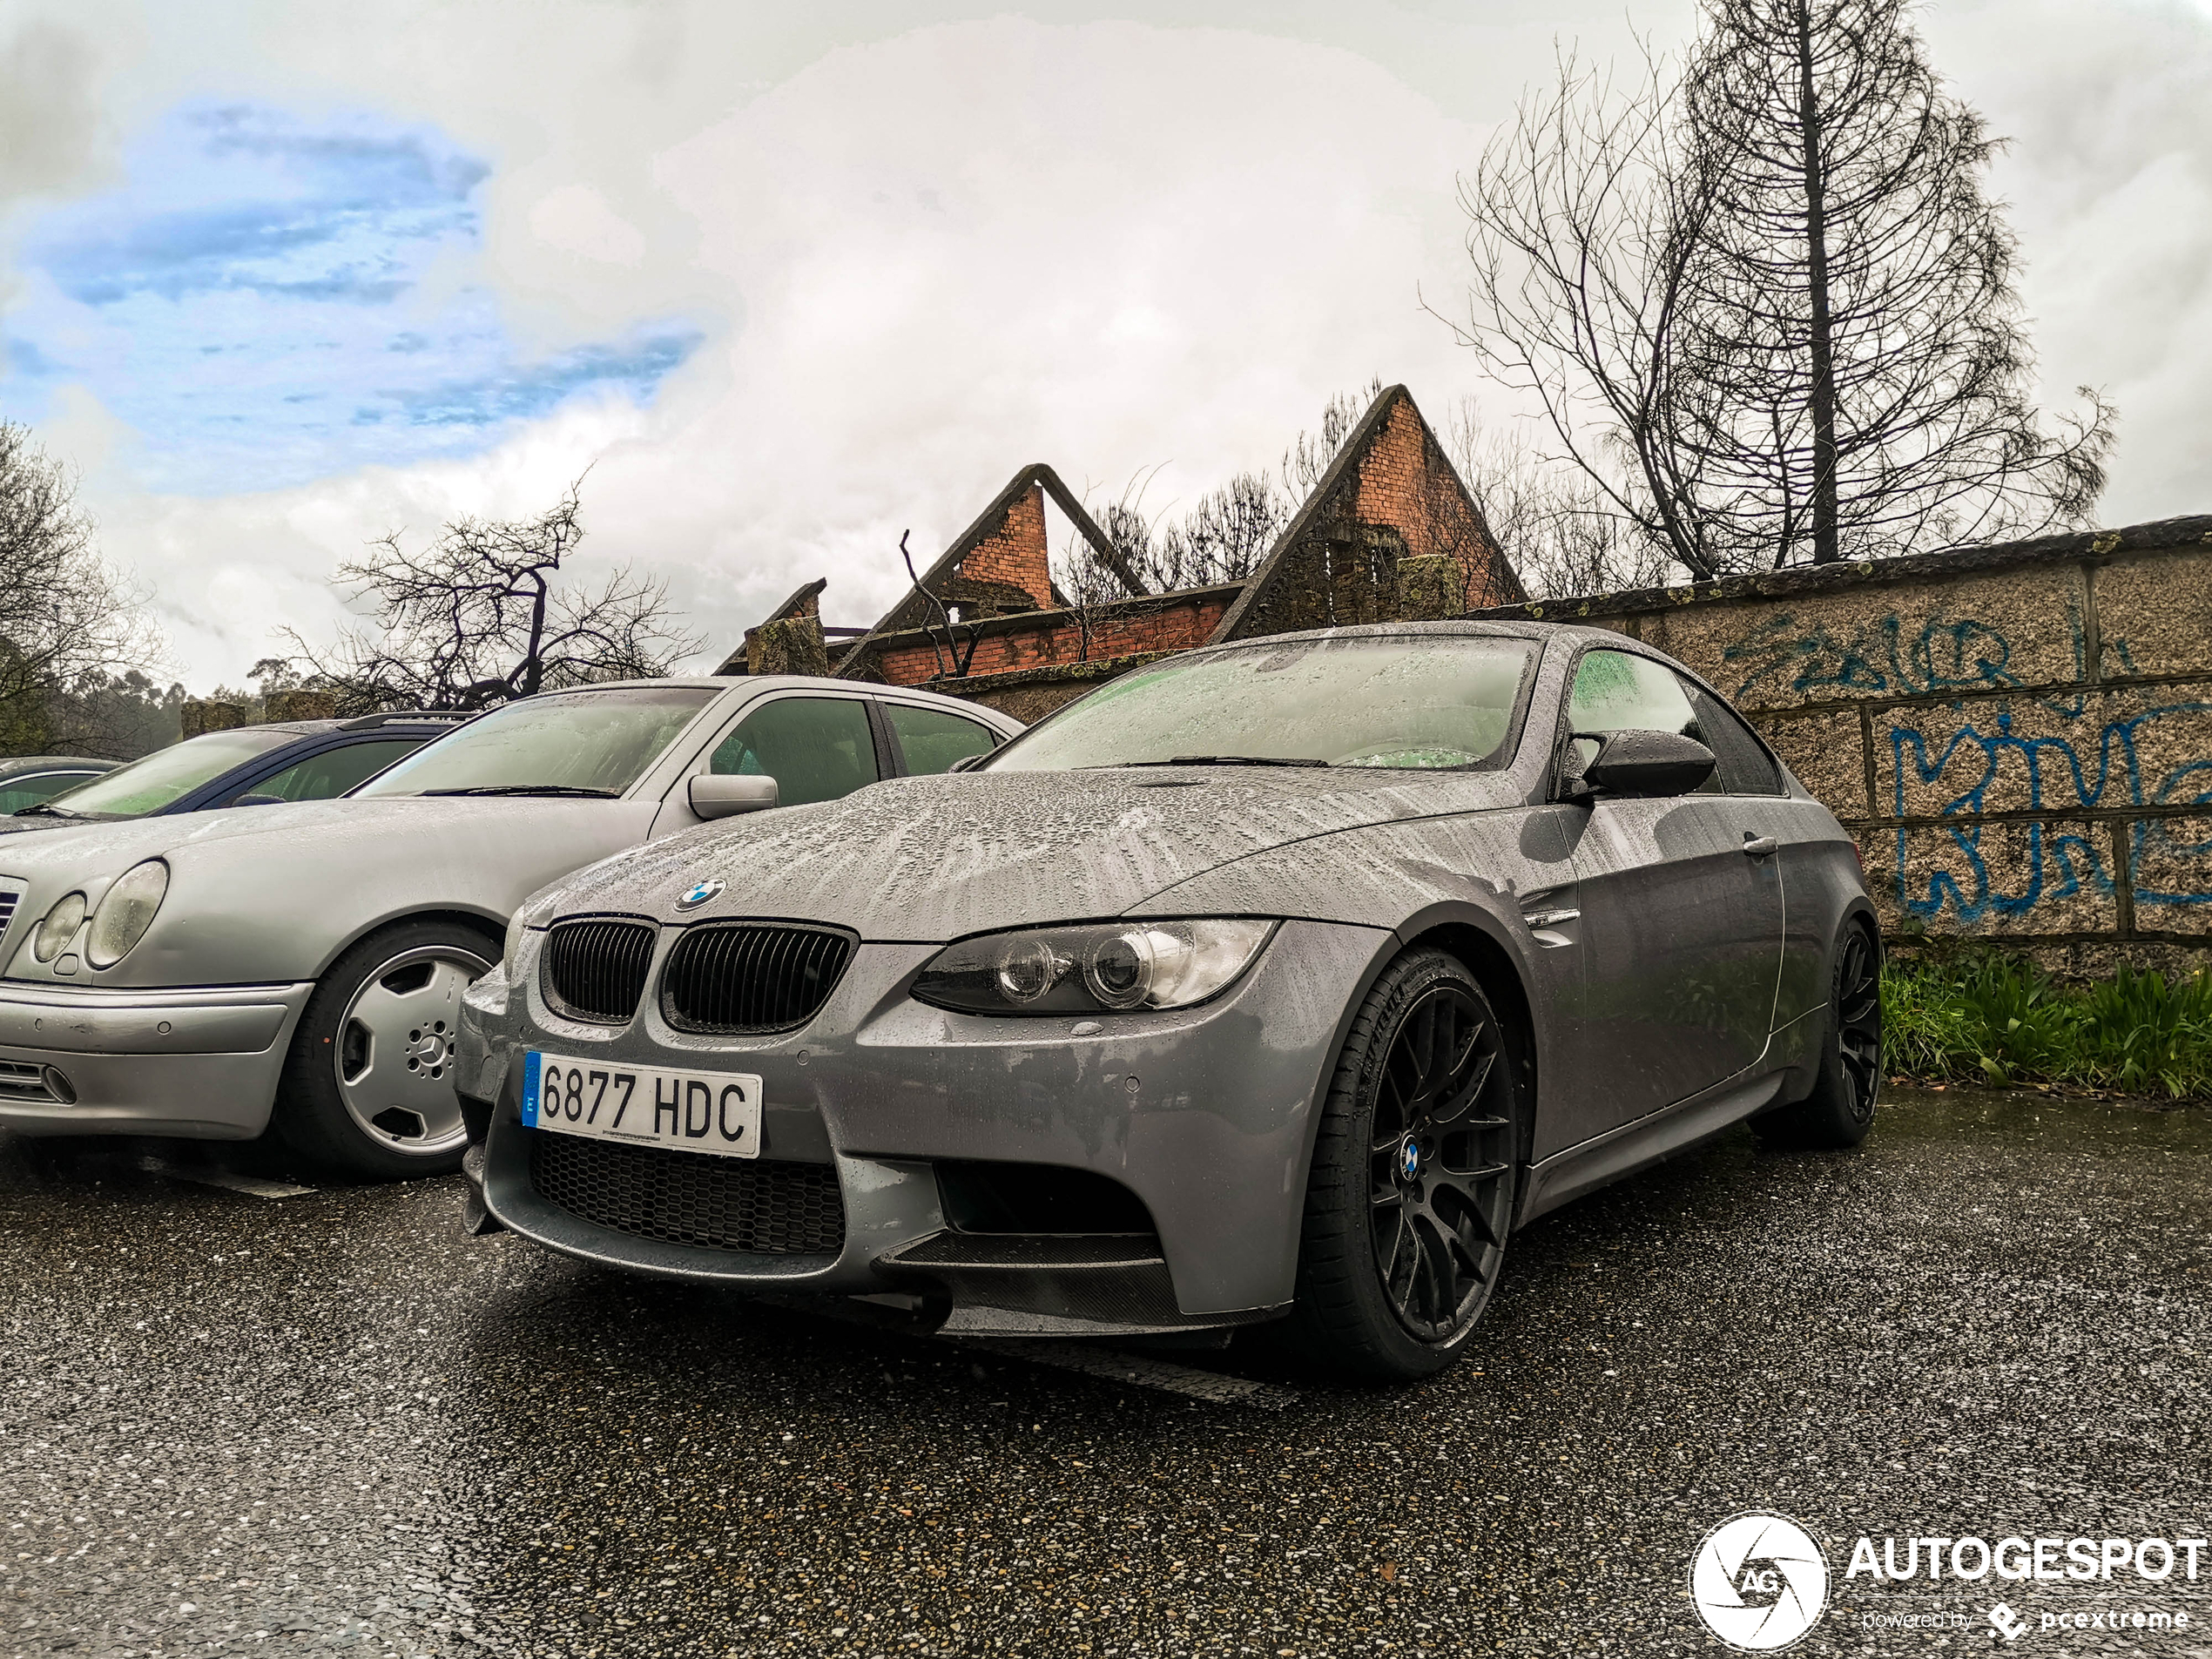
column 1763, row 303
column 479, row 617
column 1558, row 530
column 67, row 619
column 1223, row 537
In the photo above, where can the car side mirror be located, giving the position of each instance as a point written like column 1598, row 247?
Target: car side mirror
column 257, row 800
column 726, row 794
column 1647, row 763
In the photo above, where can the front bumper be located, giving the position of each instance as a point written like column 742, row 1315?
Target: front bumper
column 191, row 1061
column 1205, row 1114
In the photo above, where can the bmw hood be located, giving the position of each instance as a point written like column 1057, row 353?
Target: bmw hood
column 927, row 859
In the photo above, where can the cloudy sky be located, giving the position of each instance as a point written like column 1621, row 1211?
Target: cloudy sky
column 788, row 280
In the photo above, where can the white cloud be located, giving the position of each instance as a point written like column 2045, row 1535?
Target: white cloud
column 924, row 259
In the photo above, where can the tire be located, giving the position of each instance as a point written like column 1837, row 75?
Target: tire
column 367, row 1090
column 1416, row 1165
column 1840, row 1109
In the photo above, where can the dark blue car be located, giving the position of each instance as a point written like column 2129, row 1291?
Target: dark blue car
column 247, row 766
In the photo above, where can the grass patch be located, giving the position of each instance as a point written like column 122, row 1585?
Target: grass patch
column 1984, row 1016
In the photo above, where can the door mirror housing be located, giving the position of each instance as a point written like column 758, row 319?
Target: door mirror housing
column 1642, row 763
column 727, row 794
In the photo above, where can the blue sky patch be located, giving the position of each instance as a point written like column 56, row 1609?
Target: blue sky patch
column 256, row 301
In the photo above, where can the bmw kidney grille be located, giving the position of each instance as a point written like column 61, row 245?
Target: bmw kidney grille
column 738, row 979
column 595, row 969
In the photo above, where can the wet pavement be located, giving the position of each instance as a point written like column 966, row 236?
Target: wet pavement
column 231, row 1422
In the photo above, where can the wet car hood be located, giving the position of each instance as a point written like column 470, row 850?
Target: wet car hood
column 924, row 860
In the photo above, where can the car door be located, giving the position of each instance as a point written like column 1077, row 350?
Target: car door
column 816, row 746
column 329, row 772
column 1681, row 913
column 926, row 739
column 35, row 788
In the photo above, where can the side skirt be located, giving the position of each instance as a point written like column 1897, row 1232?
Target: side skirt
column 1603, row 1159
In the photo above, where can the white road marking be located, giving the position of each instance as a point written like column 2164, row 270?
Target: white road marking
column 228, row 1179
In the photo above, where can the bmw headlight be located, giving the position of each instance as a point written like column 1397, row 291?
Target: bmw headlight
column 59, row 927
column 125, row 913
column 1085, row 969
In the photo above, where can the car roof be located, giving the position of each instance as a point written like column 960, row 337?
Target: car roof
column 16, row 765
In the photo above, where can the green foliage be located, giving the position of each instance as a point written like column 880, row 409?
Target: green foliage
column 1988, row 1017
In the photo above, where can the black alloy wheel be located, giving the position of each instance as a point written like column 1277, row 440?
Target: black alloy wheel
column 1858, row 1026
column 1415, row 1171
column 1839, row 1110
column 1439, row 1164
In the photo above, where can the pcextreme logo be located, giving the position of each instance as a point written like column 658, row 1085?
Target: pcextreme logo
column 1759, row 1581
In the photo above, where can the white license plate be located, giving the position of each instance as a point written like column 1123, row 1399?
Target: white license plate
column 695, row 1111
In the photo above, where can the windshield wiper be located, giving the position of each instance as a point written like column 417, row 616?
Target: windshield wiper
column 1224, row 760
column 43, row 810
column 531, row 789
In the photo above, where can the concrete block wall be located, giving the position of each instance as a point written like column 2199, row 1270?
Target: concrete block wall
column 2020, row 737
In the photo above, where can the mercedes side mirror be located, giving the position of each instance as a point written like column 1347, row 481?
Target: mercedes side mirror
column 727, row 794
column 1646, row 763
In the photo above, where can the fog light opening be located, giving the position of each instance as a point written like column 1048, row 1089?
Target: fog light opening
column 59, row 1085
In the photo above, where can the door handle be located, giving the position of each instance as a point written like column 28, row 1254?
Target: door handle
column 1757, row 846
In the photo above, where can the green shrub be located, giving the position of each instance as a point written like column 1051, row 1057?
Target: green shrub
column 1987, row 1016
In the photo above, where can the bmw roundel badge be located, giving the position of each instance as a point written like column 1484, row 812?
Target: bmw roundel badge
column 699, row 896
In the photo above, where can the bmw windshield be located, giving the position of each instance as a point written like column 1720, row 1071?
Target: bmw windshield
column 563, row 743
column 1424, row 703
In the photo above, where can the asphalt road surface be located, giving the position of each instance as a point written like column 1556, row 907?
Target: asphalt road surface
column 248, row 1419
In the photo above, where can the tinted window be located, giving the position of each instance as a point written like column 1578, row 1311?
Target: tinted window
column 34, row 786
column 1404, row 704
column 334, row 771
column 932, row 739
column 1745, row 767
column 1615, row 692
column 816, row 748
column 148, row 785
column 597, row 741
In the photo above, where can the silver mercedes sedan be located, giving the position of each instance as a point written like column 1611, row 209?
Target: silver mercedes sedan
column 1277, row 982
column 210, row 973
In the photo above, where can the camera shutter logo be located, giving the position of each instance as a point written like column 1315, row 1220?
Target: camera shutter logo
column 1759, row 1581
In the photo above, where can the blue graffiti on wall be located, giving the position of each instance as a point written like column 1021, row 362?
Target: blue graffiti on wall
column 1881, row 656
column 2100, row 765
column 2096, row 768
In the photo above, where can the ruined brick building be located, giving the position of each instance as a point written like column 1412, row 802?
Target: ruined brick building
column 1388, row 533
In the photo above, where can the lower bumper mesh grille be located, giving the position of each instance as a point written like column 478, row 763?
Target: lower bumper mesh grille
column 762, row 1206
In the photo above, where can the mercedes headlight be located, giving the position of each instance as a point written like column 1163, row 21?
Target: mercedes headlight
column 126, row 911
column 59, row 927
column 1082, row 970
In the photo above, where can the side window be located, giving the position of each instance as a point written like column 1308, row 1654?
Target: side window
column 1745, row 768
column 334, row 771
column 932, row 739
column 816, row 748
column 39, row 786
column 1615, row 691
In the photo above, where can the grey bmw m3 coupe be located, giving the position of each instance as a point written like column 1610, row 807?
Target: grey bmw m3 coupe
column 1275, row 982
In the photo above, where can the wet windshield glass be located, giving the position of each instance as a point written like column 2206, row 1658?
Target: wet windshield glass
column 581, row 743
column 168, row 774
column 1420, row 703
